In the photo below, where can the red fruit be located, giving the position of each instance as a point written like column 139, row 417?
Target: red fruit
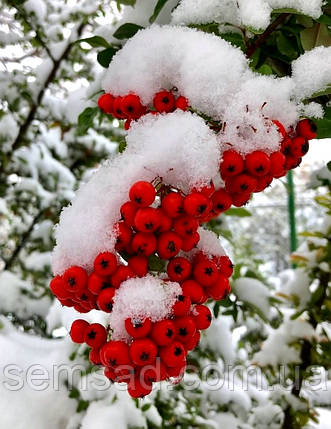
column 164, row 101
column 179, row 269
column 263, row 182
column 127, row 124
column 147, row 219
column 202, row 317
column 299, row 147
column 173, row 355
column 154, row 373
column 190, row 242
column 143, row 351
column 94, row 357
column 128, row 212
column 280, row 127
column 205, row 272
column 221, row 201
column 177, row 371
column 115, row 353
column 232, row 163
column 110, row 374
column 173, row 204
column 95, row 335
column 224, row 264
column 243, row 183
column 75, row 279
column 138, row 388
column 286, row 146
column 219, row 289
column 122, row 273
column 207, row 190
column 144, row 243
column 193, row 342
column 182, row 103
column 86, row 299
column 124, row 235
column 80, row 308
column 306, row 128
column 185, row 226
column 196, row 204
column 138, row 329
column 240, row 199
column 106, row 102
column 142, row 194
column 192, row 289
column 185, row 328
column 105, row 299
column 77, row 330
column 59, row 288
column 168, row 245
column 139, row 265
column 257, row 163
column 277, row 164
column 131, row 106
column 165, row 221
column 181, row 306
column 105, row 264
column 117, row 108
column 292, row 162
column 163, row 332
column 66, row 302
column 96, row 284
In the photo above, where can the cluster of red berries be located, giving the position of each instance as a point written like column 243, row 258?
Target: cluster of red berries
column 256, row 171
column 129, row 107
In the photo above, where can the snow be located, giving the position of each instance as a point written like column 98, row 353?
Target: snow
column 296, row 282
column 37, row 7
column 254, row 292
column 219, row 339
column 209, row 243
column 141, row 298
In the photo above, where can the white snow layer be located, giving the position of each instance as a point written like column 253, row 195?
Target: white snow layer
column 253, row 292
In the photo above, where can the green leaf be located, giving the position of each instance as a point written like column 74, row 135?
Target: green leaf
column 85, row 119
column 95, row 41
column 287, row 10
column 146, row 407
column 158, row 7
column 285, row 46
column 326, row 91
column 265, row 69
column 324, row 125
column 104, row 57
column 238, row 211
column 318, row 35
column 122, row 146
column 329, row 165
column 325, row 19
column 82, row 406
column 127, row 30
column 127, row 2
column 156, row 264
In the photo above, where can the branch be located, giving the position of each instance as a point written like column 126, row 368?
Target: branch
column 250, row 51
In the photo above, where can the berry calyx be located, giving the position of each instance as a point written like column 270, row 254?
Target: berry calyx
column 179, row 269
column 142, row 194
column 164, row 101
column 95, row 335
column 105, row 264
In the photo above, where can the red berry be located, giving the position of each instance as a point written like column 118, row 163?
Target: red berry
column 179, row 269
column 192, row 289
column 277, row 164
column 263, row 182
column 86, row 299
column 94, row 357
column 105, row 103
column 77, row 331
column 202, row 317
column 241, row 198
column 80, row 308
column 139, row 265
column 196, row 204
column 128, row 212
column 221, row 201
column 207, row 190
column 142, row 194
column 280, row 128
column 299, row 147
column 144, row 243
column 165, row 221
column 95, row 335
column 190, row 242
column 96, row 284
column 205, row 272
column 168, row 245
column 224, row 264
column 110, row 374
column 181, row 103
column 122, row 273
column 117, row 108
column 138, row 329
column 232, row 163
column 185, row 226
column 173, row 204
column 306, row 128
column 124, row 235
column 164, row 101
column 105, row 264
column 147, row 219
column 177, row 371
column 163, row 332
column 127, row 124
column 181, row 306
column 243, row 183
column 105, row 299
column 173, row 355
column 143, row 351
column 131, row 106
column 193, row 342
column 75, row 278
column 257, row 163
column 115, row 353
column 59, row 288
column 292, row 162
column 66, row 302
column 155, row 372
column 138, row 388
column 185, row 328
column 219, row 289
column 286, row 146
